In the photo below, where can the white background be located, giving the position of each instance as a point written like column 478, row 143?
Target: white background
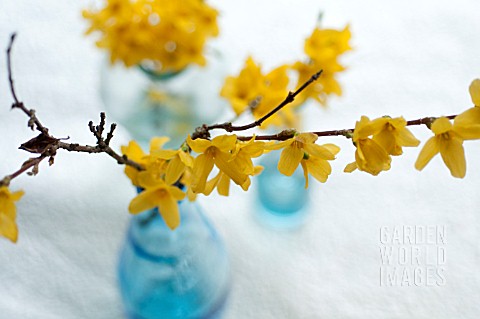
column 411, row 58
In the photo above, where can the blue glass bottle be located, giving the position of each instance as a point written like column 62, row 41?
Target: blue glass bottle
column 282, row 201
column 171, row 104
column 173, row 274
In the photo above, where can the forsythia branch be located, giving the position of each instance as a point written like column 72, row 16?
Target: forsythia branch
column 204, row 131
column 47, row 145
column 348, row 133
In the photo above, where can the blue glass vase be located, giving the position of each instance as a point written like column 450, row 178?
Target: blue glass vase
column 182, row 273
column 172, row 104
column 282, row 201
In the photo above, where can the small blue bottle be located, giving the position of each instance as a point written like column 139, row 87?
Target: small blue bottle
column 282, row 201
column 168, row 274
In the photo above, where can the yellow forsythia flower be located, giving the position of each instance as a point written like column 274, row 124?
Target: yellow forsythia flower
column 8, row 213
column 134, row 152
column 241, row 90
column 393, row 134
column 170, row 33
column 324, row 48
column 260, row 93
column 216, row 152
column 370, row 157
column 178, row 161
column 301, row 149
column 242, row 160
column 449, row 144
column 160, row 195
column 467, row 124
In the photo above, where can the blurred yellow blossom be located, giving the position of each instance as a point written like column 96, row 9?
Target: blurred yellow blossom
column 8, row 213
column 449, row 144
column 370, row 156
column 324, row 48
column 244, row 88
column 260, row 93
column 170, row 33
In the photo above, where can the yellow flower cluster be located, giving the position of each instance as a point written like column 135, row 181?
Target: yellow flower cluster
column 8, row 213
column 167, row 171
column 324, row 48
column 448, row 139
column 376, row 140
column 259, row 93
column 170, row 33
column 389, row 135
column 163, row 168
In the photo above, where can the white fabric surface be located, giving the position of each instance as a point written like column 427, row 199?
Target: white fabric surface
column 411, row 58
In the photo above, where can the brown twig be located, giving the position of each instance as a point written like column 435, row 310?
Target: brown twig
column 33, row 121
column 46, row 145
column 204, row 131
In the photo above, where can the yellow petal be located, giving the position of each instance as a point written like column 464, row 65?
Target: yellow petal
column 175, row 169
column 186, row 158
column 156, row 143
column 334, row 149
column 305, row 172
column 168, row 208
column 350, row 167
column 133, row 151
column 475, row 91
column 202, row 167
column 467, row 124
column 280, row 145
column 454, row 156
column 441, row 125
column 318, row 151
column 211, row 184
column 371, row 157
column 406, row 138
column 386, row 139
column 144, row 201
column 223, row 187
column 8, row 228
column 378, row 124
column 148, row 179
column 15, row 196
column 429, row 150
column 198, row 145
column 307, row 138
column 222, row 161
column 319, row 169
column 164, row 154
column 258, row 170
column 289, row 160
column 364, row 128
column 225, row 143
column 176, row 192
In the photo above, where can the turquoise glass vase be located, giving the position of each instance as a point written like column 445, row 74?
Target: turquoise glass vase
column 172, row 104
column 168, row 274
column 282, row 201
